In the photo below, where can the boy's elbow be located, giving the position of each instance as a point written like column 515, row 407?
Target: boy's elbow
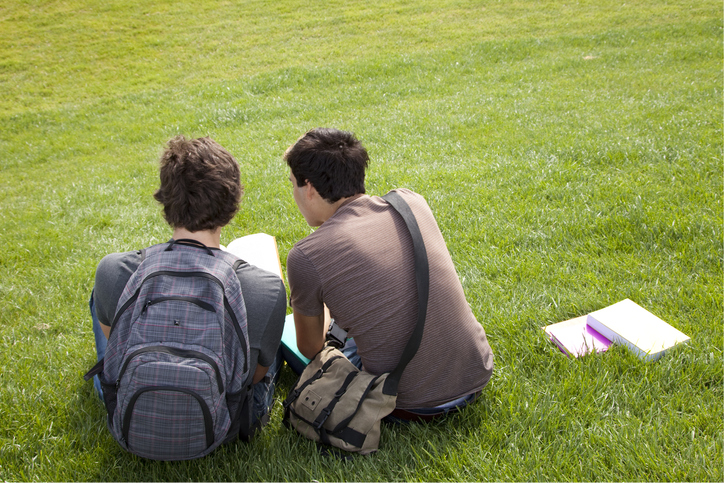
column 309, row 349
column 310, row 334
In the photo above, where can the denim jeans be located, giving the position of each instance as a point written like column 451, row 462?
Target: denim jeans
column 263, row 390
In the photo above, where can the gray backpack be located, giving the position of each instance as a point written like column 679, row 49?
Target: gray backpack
column 175, row 377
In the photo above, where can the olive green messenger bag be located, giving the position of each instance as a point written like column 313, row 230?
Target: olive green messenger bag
column 335, row 403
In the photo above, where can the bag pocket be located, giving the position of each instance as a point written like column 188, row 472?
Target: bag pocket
column 167, row 423
column 170, row 407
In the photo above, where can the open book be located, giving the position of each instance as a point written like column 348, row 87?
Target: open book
column 259, row 250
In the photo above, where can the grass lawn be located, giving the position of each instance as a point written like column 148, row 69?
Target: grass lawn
column 571, row 151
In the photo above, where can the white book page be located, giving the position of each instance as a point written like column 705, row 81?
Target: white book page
column 259, row 250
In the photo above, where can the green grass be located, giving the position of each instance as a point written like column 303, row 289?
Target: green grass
column 572, row 153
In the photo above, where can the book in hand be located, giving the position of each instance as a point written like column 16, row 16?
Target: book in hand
column 575, row 337
column 641, row 331
column 259, row 250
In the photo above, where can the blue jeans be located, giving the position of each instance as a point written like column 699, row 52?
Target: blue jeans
column 263, row 390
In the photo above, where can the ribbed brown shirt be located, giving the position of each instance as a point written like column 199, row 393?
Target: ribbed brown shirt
column 360, row 264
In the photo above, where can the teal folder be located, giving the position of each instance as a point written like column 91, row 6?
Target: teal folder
column 291, row 353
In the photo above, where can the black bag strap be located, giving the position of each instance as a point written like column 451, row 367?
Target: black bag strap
column 422, row 279
column 95, row 370
column 322, row 418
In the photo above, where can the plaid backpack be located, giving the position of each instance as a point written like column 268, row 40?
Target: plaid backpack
column 175, row 376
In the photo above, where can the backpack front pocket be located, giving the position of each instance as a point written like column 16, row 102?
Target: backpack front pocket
column 165, row 422
column 177, row 320
column 170, row 403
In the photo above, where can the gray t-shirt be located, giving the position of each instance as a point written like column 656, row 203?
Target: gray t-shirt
column 263, row 291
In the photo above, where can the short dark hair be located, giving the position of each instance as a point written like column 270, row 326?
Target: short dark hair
column 200, row 184
column 333, row 161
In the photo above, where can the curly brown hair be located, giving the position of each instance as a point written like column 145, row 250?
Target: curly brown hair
column 200, row 184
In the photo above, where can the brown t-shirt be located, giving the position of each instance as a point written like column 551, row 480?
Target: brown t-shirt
column 360, row 264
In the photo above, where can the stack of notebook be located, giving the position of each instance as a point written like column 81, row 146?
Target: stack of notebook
column 625, row 323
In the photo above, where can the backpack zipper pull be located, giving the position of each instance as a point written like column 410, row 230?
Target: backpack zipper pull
column 145, row 306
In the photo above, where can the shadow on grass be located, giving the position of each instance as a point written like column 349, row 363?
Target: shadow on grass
column 277, row 453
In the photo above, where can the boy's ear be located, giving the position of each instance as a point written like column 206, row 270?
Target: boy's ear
column 311, row 190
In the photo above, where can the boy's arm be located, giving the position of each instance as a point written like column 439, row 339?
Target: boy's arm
column 259, row 373
column 311, row 332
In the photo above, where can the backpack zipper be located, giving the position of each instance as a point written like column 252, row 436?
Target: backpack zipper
column 185, row 353
column 195, row 301
column 123, row 309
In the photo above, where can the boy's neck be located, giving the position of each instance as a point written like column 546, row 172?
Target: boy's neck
column 210, row 238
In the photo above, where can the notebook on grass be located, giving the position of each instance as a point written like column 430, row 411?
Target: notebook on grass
column 641, row 331
column 575, row 337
